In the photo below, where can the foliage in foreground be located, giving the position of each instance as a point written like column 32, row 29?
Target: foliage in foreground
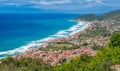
column 101, row 62
column 24, row 64
column 115, row 40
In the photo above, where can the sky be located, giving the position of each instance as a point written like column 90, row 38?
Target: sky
column 55, row 6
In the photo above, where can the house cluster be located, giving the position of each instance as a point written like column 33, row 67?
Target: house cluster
column 99, row 41
column 110, row 25
column 56, row 57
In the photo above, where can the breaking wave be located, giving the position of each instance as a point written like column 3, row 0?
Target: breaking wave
column 35, row 44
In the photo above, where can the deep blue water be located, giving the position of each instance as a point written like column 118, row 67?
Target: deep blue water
column 20, row 30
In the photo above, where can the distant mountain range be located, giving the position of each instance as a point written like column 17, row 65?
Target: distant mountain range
column 105, row 16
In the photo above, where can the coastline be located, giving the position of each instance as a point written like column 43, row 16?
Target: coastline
column 87, row 46
column 54, row 57
column 47, row 42
column 68, row 38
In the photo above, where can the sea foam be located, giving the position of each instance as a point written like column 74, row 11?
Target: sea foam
column 35, row 44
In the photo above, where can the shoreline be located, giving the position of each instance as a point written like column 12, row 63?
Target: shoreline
column 66, row 39
column 46, row 42
column 54, row 57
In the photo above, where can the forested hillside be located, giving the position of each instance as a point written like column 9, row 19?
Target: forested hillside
column 105, row 16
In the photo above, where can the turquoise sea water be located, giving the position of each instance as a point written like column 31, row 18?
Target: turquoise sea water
column 19, row 32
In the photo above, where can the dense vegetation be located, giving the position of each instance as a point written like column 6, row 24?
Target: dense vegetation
column 115, row 40
column 23, row 64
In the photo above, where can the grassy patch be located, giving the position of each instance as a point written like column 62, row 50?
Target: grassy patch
column 60, row 46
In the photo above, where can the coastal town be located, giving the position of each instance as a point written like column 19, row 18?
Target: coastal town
column 59, row 35
column 96, row 34
column 57, row 57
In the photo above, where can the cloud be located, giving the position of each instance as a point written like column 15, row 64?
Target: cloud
column 65, row 5
column 12, row 4
column 51, row 2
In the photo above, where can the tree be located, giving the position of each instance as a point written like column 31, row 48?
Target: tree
column 115, row 40
column 24, row 64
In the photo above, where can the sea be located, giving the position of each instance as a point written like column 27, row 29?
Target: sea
column 20, row 32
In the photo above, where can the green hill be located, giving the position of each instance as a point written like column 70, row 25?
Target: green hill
column 105, row 16
column 110, row 15
column 88, row 17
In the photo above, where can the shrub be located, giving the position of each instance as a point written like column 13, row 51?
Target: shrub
column 115, row 40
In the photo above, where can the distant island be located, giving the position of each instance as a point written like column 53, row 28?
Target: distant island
column 95, row 48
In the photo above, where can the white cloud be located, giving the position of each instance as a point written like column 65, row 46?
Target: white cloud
column 51, row 2
column 69, row 5
column 11, row 4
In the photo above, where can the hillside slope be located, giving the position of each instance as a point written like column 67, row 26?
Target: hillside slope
column 105, row 16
